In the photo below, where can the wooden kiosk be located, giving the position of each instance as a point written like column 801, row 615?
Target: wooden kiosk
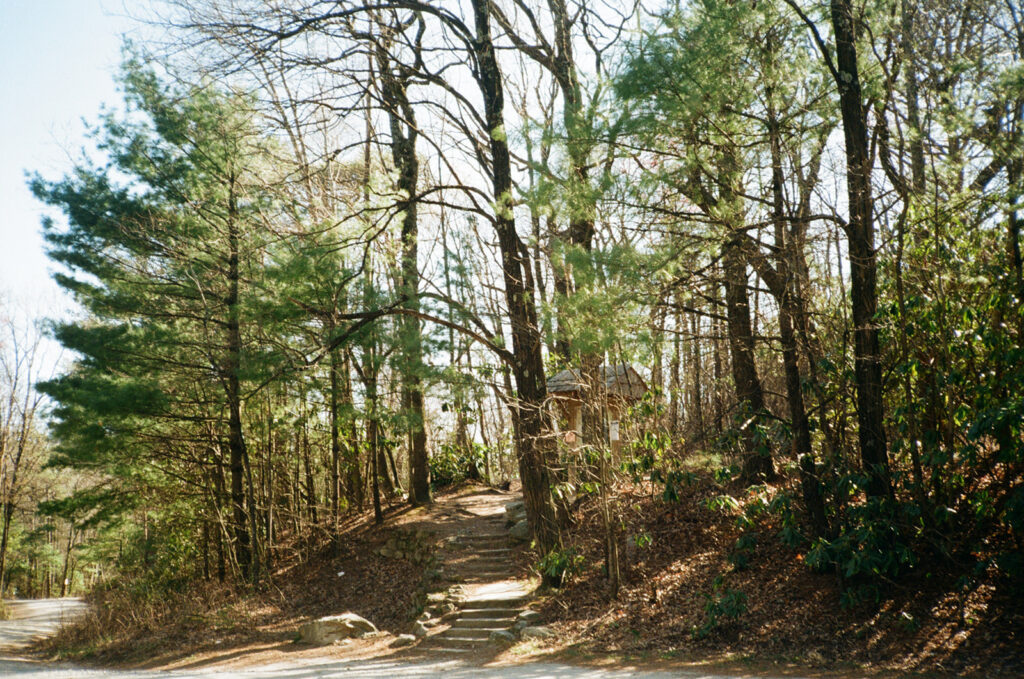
column 620, row 385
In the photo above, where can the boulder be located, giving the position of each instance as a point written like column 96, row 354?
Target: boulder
column 514, row 513
column 403, row 640
column 502, row 636
column 419, row 629
column 537, row 632
column 520, row 531
column 334, row 628
column 528, row 616
column 514, row 519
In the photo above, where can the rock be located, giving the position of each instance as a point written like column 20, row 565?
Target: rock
column 520, row 531
column 403, row 640
column 502, row 636
column 424, row 616
column 333, row 628
column 514, row 513
column 537, row 632
column 419, row 629
column 815, row 657
column 528, row 616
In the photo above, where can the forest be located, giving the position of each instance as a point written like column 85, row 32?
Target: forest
column 327, row 255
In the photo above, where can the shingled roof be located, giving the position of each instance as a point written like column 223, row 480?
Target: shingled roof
column 620, row 380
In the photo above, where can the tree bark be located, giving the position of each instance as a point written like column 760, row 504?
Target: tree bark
column 236, row 440
column 401, row 117
column 335, row 407
column 534, row 430
column 784, row 292
column 757, row 461
column 863, row 266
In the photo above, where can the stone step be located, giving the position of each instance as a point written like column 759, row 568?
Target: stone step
column 482, row 568
column 481, row 562
column 463, row 641
column 476, row 604
column 481, row 550
column 489, row 613
column 437, row 647
column 484, row 623
column 480, row 578
column 487, row 574
column 471, row 632
column 477, row 538
column 455, row 644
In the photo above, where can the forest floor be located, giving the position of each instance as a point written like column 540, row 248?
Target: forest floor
column 792, row 623
column 213, row 624
column 786, row 615
column 210, row 625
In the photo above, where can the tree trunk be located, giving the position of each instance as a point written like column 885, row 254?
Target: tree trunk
column 236, row 440
column 307, row 463
column 675, row 384
column 8, row 514
column 695, row 371
column 334, row 414
column 373, row 444
column 757, row 462
column 403, row 153
column 788, row 312
column 535, row 442
column 354, row 484
column 863, row 267
column 67, row 562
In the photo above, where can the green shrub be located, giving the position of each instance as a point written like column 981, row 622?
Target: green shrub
column 451, row 464
column 559, row 564
column 723, row 603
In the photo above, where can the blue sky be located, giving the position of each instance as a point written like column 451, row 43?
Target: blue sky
column 57, row 62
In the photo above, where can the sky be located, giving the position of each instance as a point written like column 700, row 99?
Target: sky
column 57, row 64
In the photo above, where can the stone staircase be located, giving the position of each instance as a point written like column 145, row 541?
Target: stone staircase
column 486, row 595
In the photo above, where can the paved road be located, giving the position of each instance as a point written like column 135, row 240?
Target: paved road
column 35, row 618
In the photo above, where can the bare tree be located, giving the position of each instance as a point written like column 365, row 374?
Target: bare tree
column 22, row 363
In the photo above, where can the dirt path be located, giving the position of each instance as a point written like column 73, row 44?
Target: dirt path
column 477, row 559
column 33, row 619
